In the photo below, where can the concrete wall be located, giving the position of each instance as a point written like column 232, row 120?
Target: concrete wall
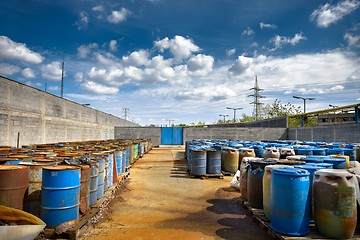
column 40, row 117
column 349, row 133
column 190, row 133
column 139, row 133
column 281, row 122
column 250, row 134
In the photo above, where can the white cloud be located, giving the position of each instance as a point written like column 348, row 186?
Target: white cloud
column 248, row 32
column 241, row 64
column 267, row 25
column 230, row 52
column 97, row 88
column 337, row 88
column 137, row 58
column 181, row 48
column 118, row 16
column 328, row 14
column 353, row 40
column 84, row 50
column 8, row 69
column 54, row 88
column 28, row 73
column 113, row 45
column 200, row 65
column 98, row 8
column 52, row 71
column 10, row 50
column 111, row 77
column 83, row 20
column 280, row 41
column 79, row 76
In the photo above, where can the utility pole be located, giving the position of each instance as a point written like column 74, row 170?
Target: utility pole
column 62, row 79
column 224, row 115
column 257, row 96
column 126, row 113
column 234, row 111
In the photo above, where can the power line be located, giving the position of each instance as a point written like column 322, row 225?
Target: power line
column 62, row 78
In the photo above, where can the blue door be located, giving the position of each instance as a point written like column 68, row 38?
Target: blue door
column 172, row 136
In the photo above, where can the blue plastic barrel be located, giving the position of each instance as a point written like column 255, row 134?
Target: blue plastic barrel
column 304, row 151
column 101, row 178
column 289, row 214
column 351, row 153
column 213, row 163
column 335, row 151
column 123, row 161
column 319, row 151
column 94, row 181
column 259, row 150
column 313, row 159
column 60, row 195
column 198, row 162
column 338, row 163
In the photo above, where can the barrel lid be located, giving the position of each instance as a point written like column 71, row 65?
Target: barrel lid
column 61, row 167
column 290, row 171
column 310, row 166
column 30, row 164
column 296, row 157
column 334, row 160
column 84, row 166
column 269, row 167
column 333, row 172
column 11, row 167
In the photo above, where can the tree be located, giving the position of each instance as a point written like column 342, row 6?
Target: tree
column 277, row 109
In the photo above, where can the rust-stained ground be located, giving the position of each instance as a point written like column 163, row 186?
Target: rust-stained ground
column 160, row 201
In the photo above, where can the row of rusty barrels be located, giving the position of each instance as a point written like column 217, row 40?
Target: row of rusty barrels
column 58, row 193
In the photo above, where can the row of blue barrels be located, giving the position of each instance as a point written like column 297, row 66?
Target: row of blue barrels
column 261, row 148
column 289, row 193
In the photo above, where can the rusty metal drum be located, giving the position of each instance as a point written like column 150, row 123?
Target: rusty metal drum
column 85, row 188
column 14, row 181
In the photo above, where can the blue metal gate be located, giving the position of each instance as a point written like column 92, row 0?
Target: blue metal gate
column 172, row 136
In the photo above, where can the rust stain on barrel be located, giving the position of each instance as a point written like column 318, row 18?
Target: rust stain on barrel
column 14, row 181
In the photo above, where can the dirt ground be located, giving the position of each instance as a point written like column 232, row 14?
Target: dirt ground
column 160, row 201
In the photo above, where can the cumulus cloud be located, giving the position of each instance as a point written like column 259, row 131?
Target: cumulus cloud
column 181, row 48
column 79, row 76
column 113, row 45
column 52, row 71
column 10, row 50
column 280, row 41
column 241, row 64
column 97, row 88
column 84, row 50
column 248, row 32
column 352, row 40
column 328, row 14
column 200, row 65
column 28, row 73
column 119, row 16
column 8, row 69
column 267, row 25
column 83, row 20
column 137, row 58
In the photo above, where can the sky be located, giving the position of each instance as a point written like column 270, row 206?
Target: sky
column 168, row 61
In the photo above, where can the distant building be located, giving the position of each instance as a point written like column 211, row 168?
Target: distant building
column 337, row 118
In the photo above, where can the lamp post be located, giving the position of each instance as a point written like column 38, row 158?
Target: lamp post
column 224, row 115
column 304, row 99
column 170, row 120
column 234, row 111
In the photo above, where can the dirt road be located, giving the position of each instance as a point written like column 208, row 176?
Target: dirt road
column 160, row 201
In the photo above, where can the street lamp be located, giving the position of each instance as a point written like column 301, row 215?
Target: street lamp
column 234, row 111
column 311, row 98
column 170, row 120
column 224, row 115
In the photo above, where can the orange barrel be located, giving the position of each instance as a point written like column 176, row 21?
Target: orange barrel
column 14, row 181
column 85, row 188
column 334, row 202
column 33, row 205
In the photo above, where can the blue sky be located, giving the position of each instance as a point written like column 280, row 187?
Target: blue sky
column 184, row 60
